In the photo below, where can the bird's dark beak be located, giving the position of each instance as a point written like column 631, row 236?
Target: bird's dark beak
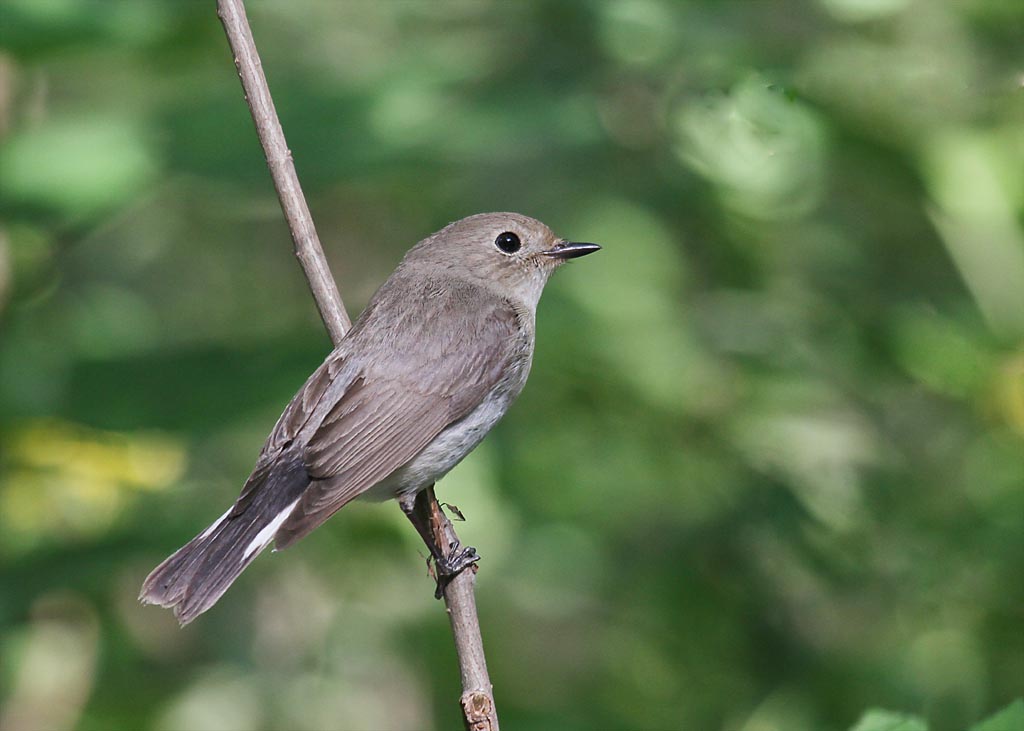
column 570, row 250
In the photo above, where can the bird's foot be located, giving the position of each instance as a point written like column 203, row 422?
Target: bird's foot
column 458, row 560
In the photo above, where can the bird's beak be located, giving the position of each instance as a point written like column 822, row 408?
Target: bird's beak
column 570, row 250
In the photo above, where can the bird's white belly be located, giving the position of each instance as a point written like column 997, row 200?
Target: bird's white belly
column 446, row 451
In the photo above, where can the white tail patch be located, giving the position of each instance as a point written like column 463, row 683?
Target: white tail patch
column 266, row 535
column 216, row 523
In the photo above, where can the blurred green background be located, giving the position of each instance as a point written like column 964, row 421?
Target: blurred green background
column 768, row 472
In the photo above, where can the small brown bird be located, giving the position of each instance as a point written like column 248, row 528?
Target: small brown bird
column 433, row 362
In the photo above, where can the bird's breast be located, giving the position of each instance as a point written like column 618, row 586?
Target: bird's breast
column 454, row 442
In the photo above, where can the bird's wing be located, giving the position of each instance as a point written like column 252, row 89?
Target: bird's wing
column 289, row 424
column 433, row 372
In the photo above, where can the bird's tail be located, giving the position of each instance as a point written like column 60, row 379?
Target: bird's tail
column 197, row 574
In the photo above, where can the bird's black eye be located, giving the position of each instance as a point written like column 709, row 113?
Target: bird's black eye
column 508, row 242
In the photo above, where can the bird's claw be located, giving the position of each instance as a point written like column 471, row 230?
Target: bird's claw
column 457, row 561
column 461, row 558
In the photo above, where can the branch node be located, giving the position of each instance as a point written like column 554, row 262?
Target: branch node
column 478, row 711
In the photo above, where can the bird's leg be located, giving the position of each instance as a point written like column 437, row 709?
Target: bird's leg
column 437, row 533
column 421, row 523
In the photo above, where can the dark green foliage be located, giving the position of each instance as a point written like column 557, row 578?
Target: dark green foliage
column 768, row 472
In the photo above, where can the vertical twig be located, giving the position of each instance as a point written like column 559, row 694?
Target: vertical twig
column 477, row 701
column 478, row 710
column 282, row 169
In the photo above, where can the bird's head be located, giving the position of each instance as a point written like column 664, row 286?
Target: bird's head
column 509, row 253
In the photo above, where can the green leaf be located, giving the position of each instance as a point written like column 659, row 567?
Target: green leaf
column 77, row 166
column 1010, row 718
column 879, row 720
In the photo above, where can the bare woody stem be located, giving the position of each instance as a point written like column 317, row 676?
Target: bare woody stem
column 478, row 710
column 282, row 169
column 477, row 701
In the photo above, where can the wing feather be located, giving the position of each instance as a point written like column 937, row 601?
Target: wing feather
column 434, row 372
column 295, row 416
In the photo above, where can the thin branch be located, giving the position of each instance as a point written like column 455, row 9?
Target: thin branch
column 282, row 169
column 477, row 701
column 478, row 710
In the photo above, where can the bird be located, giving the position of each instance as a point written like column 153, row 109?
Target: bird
column 441, row 350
